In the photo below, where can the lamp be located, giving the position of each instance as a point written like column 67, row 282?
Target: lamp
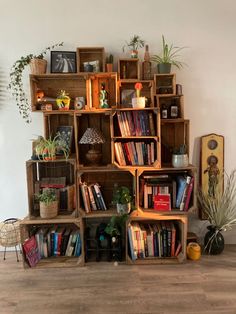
column 93, row 136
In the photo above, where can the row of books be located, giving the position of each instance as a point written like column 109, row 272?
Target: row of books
column 134, row 153
column 136, row 123
column 164, row 192
column 92, row 197
column 65, row 193
column 54, row 241
column 159, row 239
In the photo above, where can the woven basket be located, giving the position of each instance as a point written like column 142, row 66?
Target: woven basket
column 48, row 211
column 10, row 232
column 38, row 66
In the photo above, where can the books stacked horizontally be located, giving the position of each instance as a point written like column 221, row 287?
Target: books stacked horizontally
column 136, row 123
column 135, row 153
column 65, row 193
column 165, row 192
column 159, row 239
column 54, row 241
column 92, row 197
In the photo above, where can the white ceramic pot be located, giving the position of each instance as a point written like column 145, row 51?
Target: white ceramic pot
column 123, row 208
column 179, row 161
column 138, row 102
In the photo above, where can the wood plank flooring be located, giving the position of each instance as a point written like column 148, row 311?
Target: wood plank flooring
column 207, row 286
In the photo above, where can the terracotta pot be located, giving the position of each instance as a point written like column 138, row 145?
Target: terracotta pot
column 109, row 67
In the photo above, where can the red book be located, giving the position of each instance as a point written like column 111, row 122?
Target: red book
column 179, row 246
column 162, row 202
column 31, row 251
column 189, row 192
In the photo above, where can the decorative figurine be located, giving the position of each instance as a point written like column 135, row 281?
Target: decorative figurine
column 103, row 97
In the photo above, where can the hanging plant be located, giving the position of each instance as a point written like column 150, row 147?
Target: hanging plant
column 16, row 83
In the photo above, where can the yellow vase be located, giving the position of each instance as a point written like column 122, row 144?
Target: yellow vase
column 63, row 103
column 193, row 251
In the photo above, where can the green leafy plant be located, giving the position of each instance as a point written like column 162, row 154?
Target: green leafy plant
column 169, row 54
column 219, row 208
column 121, row 195
column 47, row 196
column 135, row 43
column 46, row 149
column 180, row 150
column 116, row 225
column 16, row 81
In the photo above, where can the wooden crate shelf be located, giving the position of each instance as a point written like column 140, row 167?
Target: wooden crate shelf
column 127, row 92
column 174, row 132
column 76, row 85
column 107, row 182
column 180, row 222
column 28, row 227
column 91, row 54
column 129, row 68
column 36, row 170
column 168, row 104
column 165, row 84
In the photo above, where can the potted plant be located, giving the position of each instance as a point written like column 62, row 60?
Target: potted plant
column 48, row 203
column 46, row 149
column 122, row 199
column 220, row 210
column 16, row 78
column 138, row 101
column 180, row 156
column 167, row 57
column 109, row 63
column 134, row 44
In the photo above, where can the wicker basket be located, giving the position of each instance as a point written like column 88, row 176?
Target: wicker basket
column 10, row 232
column 38, row 66
column 48, row 211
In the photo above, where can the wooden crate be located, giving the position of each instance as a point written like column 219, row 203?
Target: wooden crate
column 107, row 179
column 36, row 170
column 110, row 82
column 174, row 132
column 54, row 120
column 101, row 121
column 127, row 92
column 28, row 227
column 90, row 54
column 167, row 101
column 165, row 84
column 153, row 218
column 167, row 177
column 129, row 69
column 76, row 85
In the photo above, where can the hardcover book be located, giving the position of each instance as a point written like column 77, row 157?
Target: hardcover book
column 31, row 251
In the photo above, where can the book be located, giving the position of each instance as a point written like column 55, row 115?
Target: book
column 131, row 241
column 84, row 193
column 150, row 241
column 64, row 241
column 77, row 251
column 181, row 183
column 178, row 248
column 91, row 197
column 53, row 182
column 71, row 201
column 151, row 124
column 162, row 202
column 31, row 251
column 99, row 196
column 185, row 192
column 173, row 239
column 189, row 193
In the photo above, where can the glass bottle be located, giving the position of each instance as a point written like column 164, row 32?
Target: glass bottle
column 147, row 66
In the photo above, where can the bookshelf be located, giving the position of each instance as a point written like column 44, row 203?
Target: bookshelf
column 138, row 144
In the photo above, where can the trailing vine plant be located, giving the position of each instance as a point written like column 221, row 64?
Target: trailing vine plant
column 16, row 83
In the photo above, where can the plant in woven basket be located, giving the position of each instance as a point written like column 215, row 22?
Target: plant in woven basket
column 220, row 210
column 48, row 203
column 16, row 80
column 46, row 149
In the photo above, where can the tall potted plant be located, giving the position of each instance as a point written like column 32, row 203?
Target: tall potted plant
column 220, row 210
column 168, row 56
column 135, row 43
column 38, row 66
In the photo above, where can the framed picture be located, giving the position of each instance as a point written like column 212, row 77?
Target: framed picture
column 63, row 62
column 65, row 136
column 126, row 97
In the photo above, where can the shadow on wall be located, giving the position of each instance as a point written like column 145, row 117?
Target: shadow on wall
column 4, row 94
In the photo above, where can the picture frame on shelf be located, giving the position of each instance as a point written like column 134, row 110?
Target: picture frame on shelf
column 66, row 135
column 63, row 62
column 126, row 97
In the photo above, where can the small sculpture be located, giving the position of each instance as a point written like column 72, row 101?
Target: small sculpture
column 103, row 97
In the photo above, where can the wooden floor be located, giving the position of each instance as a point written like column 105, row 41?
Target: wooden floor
column 207, row 286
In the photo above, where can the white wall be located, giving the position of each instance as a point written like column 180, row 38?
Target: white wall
column 207, row 27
